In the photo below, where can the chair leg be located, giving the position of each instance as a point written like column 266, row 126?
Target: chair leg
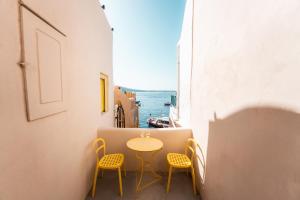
column 95, row 182
column 193, row 177
column 169, row 179
column 120, row 181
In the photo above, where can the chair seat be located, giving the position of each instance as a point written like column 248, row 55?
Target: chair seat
column 111, row 161
column 178, row 160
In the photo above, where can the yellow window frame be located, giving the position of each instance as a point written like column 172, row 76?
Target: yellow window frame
column 103, row 92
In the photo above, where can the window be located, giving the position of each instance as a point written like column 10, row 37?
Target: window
column 104, row 92
column 43, row 47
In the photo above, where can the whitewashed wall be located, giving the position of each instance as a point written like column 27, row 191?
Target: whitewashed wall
column 184, row 48
column 52, row 158
column 245, row 100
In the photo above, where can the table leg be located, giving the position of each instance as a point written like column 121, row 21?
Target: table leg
column 148, row 164
column 141, row 173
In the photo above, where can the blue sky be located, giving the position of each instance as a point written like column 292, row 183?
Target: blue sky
column 145, row 36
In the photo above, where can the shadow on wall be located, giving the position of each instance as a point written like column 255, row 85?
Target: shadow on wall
column 254, row 154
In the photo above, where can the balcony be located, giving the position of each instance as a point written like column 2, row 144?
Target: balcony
column 173, row 141
column 238, row 83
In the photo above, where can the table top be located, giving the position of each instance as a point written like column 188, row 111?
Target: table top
column 144, row 144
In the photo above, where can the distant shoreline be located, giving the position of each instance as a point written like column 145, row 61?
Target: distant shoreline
column 137, row 90
column 155, row 91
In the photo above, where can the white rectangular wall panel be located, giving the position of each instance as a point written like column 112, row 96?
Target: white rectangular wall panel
column 45, row 73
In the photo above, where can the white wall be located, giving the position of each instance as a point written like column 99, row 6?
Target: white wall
column 184, row 48
column 51, row 158
column 246, row 70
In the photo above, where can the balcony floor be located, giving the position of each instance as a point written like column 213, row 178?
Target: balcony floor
column 108, row 188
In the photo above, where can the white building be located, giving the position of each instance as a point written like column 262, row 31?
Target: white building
column 238, row 91
column 45, row 150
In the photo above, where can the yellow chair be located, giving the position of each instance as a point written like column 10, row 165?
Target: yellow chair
column 107, row 161
column 183, row 161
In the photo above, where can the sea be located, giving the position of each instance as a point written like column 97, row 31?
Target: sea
column 152, row 102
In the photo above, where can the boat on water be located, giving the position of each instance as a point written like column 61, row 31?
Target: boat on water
column 167, row 103
column 158, row 122
column 138, row 103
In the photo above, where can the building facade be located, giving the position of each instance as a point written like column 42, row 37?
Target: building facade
column 50, row 156
column 238, row 83
column 127, row 101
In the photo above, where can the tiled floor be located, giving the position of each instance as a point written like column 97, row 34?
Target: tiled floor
column 108, row 188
